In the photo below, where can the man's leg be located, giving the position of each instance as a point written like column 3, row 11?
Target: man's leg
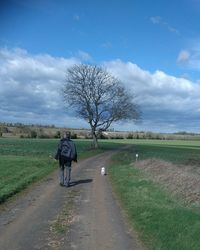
column 61, row 175
column 68, row 173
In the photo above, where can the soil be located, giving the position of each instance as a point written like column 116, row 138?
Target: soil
column 182, row 181
column 84, row 216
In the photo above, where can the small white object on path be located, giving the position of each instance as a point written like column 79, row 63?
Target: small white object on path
column 103, row 171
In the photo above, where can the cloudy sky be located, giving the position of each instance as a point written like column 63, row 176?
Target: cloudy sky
column 152, row 46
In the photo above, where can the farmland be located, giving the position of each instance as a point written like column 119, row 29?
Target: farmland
column 164, row 219
column 24, row 161
column 176, row 151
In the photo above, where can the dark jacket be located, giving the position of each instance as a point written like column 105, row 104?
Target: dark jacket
column 72, row 147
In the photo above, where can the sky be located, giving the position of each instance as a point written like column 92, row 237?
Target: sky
column 153, row 47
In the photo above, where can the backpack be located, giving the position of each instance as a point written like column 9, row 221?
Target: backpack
column 66, row 150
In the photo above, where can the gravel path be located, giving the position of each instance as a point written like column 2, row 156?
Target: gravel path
column 94, row 222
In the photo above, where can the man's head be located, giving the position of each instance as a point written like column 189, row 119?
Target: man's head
column 67, row 135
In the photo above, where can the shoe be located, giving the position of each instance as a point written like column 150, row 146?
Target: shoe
column 61, row 184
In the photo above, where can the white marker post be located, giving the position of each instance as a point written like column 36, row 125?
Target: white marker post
column 136, row 157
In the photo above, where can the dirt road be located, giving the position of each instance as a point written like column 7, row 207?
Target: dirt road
column 88, row 209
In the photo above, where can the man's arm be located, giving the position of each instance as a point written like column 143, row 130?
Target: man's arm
column 57, row 155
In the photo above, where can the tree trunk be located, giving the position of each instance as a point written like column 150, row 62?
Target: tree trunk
column 94, row 137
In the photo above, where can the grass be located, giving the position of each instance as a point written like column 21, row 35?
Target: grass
column 176, row 151
column 161, row 221
column 17, row 172
column 24, row 161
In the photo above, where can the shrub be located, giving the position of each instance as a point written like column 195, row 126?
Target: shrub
column 58, row 134
column 130, row 136
column 44, row 136
column 33, row 134
column 74, row 136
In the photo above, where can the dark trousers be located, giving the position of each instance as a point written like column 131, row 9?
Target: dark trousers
column 65, row 170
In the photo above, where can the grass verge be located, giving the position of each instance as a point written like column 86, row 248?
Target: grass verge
column 161, row 221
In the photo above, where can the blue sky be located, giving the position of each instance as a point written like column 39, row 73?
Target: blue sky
column 152, row 46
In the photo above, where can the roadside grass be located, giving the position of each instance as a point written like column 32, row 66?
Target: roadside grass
column 24, row 161
column 161, row 221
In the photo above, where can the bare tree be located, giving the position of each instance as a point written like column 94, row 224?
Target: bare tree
column 98, row 97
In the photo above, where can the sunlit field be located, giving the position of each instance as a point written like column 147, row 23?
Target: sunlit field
column 161, row 220
column 24, row 161
column 176, row 151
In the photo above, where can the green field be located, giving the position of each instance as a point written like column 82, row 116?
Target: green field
column 184, row 152
column 24, row 161
column 162, row 222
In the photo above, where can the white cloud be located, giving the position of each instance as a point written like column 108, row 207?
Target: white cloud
column 106, row 45
column 157, row 20
column 30, row 86
column 76, row 17
column 183, row 57
column 83, row 56
column 190, row 58
column 161, row 96
column 30, row 92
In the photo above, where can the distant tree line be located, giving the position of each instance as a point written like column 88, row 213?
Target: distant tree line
column 150, row 136
column 18, row 124
column 34, row 131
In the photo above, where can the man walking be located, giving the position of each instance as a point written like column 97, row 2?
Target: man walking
column 66, row 153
